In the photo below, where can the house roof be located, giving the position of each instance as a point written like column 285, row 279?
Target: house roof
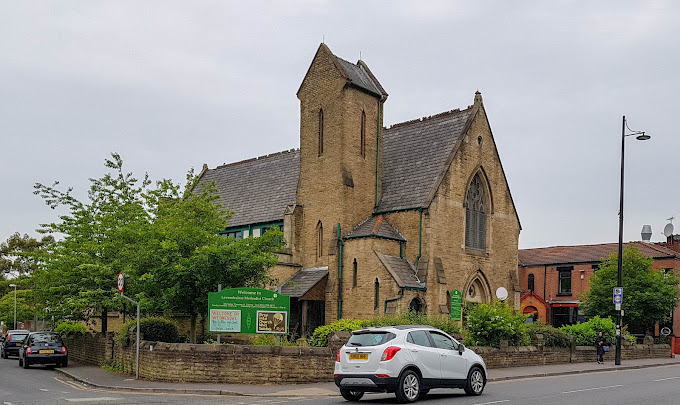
column 303, row 281
column 256, row 190
column 375, row 226
column 360, row 76
column 587, row 253
column 401, row 270
column 416, row 155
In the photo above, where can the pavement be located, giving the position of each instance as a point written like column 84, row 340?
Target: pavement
column 97, row 377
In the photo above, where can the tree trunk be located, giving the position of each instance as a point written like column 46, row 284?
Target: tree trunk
column 105, row 320
column 192, row 334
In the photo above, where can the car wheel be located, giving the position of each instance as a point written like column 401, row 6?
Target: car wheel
column 26, row 364
column 350, row 395
column 408, row 388
column 475, row 382
column 4, row 355
column 21, row 362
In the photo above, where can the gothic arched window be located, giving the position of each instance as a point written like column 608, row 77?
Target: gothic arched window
column 362, row 147
column 376, row 287
column 416, row 306
column 475, row 215
column 530, row 282
column 320, row 131
column 319, row 241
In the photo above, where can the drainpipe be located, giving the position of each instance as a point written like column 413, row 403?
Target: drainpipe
column 420, row 238
column 339, row 273
column 377, row 154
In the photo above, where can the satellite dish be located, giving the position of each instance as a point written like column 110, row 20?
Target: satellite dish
column 668, row 230
column 502, row 293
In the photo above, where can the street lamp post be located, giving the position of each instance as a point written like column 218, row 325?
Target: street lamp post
column 15, row 304
column 641, row 136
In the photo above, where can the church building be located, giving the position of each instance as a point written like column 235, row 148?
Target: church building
column 377, row 220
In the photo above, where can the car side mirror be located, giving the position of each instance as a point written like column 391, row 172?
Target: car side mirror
column 461, row 348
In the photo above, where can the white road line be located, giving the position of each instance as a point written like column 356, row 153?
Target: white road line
column 7, row 403
column 669, row 378
column 494, row 402
column 43, row 390
column 593, row 389
column 91, row 399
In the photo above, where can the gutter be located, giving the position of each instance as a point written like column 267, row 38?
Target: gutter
column 401, row 295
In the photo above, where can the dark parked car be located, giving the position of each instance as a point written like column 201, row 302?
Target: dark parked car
column 43, row 348
column 10, row 347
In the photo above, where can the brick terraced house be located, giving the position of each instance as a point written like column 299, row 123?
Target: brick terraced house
column 377, row 220
column 553, row 278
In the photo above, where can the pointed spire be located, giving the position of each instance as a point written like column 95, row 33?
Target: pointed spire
column 478, row 98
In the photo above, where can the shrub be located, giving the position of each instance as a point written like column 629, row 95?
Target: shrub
column 154, row 329
column 552, row 336
column 586, row 333
column 488, row 324
column 70, row 327
column 320, row 336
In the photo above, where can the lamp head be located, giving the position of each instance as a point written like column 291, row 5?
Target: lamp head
column 12, row 285
column 642, row 137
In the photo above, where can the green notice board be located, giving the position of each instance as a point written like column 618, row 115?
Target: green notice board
column 248, row 310
column 456, row 304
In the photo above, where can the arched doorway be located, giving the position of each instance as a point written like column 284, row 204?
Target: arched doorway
column 416, row 306
column 478, row 290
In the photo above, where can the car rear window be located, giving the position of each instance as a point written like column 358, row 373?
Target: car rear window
column 46, row 338
column 370, row 338
column 16, row 338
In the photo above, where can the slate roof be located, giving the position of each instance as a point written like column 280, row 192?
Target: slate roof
column 257, row 190
column 373, row 226
column 303, row 281
column 401, row 270
column 587, row 253
column 359, row 75
column 415, row 156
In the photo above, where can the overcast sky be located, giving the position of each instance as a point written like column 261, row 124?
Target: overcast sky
column 171, row 85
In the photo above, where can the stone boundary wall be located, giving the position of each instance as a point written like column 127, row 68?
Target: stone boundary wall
column 183, row 362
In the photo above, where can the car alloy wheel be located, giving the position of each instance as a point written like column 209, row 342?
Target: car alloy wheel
column 475, row 382
column 409, row 387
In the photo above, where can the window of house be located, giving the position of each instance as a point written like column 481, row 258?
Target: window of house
column 376, row 288
column 667, row 272
column 362, row 146
column 320, row 131
column 564, row 286
column 530, row 282
column 238, row 235
column 475, row 215
column 354, row 278
column 319, row 241
column 595, row 267
column 257, row 232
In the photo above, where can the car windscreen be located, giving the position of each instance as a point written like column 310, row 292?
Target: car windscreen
column 16, row 338
column 370, row 338
column 45, row 338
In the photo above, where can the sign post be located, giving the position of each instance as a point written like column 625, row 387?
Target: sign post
column 456, row 304
column 121, row 287
column 248, row 310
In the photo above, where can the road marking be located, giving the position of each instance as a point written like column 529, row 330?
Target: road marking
column 669, row 378
column 592, row 389
column 494, row 402
column 44, row 390
column 91, row 399
column 7, row 403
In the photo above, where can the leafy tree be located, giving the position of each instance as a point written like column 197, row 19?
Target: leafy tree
column 586, row 333
column 79, row 276
column 18, row 255
column 648, row 295
column 25, row 307
column 488, row 324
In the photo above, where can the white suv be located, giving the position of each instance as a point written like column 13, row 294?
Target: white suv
column 407, row 360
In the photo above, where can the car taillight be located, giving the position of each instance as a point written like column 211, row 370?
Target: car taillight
column 63, row 350
column 28, row 350
column 389, row 353
column 9, row 337
column 338, row 358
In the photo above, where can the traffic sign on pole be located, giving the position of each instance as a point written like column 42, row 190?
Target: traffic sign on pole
column 121, row 282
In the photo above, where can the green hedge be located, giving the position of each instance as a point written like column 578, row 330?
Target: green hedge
column 153, row 329
column 586, row 333
column 70, row 327
column 320, row 336
column 552, row 336
column 488, row 324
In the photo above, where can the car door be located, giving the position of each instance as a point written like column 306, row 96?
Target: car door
column 425, row 356
column 453, row 364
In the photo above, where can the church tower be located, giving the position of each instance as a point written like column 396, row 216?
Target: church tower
column 340, row 136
